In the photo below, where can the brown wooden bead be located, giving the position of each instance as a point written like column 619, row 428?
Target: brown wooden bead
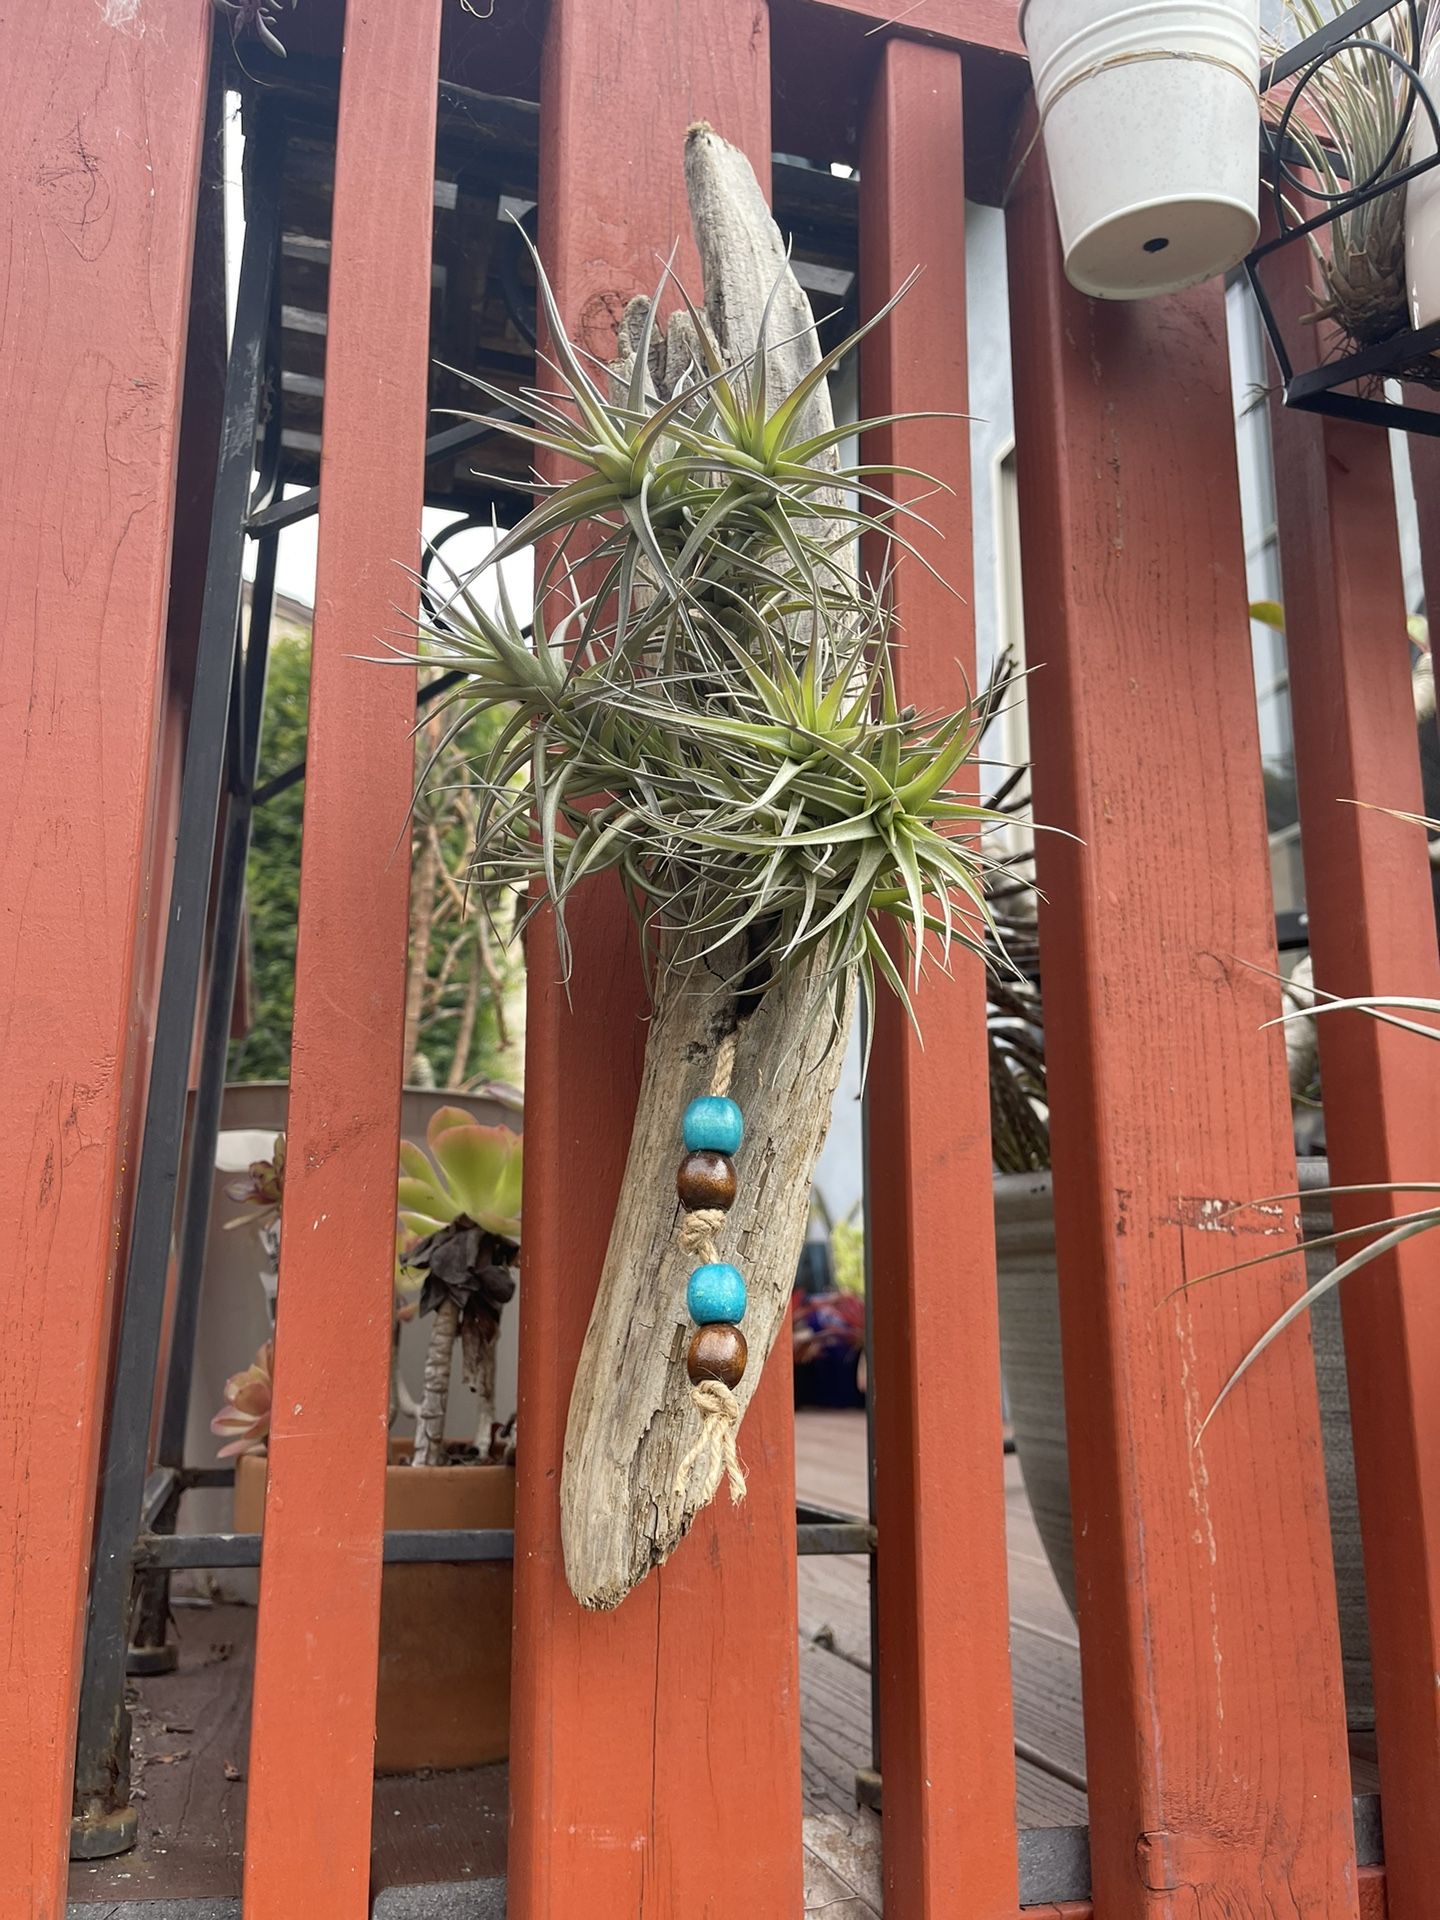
column 717, row 1352
column 706, row 1180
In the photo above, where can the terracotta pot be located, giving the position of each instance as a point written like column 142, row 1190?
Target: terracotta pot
column 444, row 1683
column 1034, row 1388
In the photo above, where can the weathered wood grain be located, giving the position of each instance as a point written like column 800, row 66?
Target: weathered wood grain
column 952, row 23
column 308, row 1820
column 1215, row 1728
column 99, row 160
column 842, row 1865
column 1372, row 930
column 949, row 1805
column 623, row 1504
column 623, row 1721
column 631, row 1418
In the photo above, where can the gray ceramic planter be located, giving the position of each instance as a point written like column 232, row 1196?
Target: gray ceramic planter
column 1030, row 1350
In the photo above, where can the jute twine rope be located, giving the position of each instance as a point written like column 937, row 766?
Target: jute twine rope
column 1138, row 58
column 713, row 1454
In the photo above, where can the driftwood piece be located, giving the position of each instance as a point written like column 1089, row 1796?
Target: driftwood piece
column 632, row 1422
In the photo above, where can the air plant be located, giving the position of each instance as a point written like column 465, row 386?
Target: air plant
column 463, row 1201
column 257, row 17
column 1019, row 1098
column 707, row 713
column 1352, row 119
column 713, row 716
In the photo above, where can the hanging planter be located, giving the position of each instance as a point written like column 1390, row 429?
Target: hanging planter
column 1349, row 156
column 1149, row 115
column 711, row 718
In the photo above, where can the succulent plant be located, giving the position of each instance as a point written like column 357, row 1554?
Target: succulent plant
column 471, row 1170
column 457, row 1240
column 257, row 17
column 262, row 1187
column 244, row 1420
column 463, row 1201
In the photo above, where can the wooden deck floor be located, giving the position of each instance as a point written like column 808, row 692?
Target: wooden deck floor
column 448, row 1830
column 444, row 1834
column 835, row 1667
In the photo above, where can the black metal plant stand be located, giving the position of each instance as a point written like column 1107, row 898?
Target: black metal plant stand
column 1331, row 386
column 104, row 1819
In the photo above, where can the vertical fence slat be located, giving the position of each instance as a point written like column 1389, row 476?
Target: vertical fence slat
column 946, row 1727
column 655, row 1762
column 1371, row 1881
column 308, row 1830
column 1372, row 930
column 1215, row 1734
column 99, row 159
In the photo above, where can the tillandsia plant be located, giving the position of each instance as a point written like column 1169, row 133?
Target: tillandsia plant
column 257, row 17
column 1353, row 118
column 711, row 715
column 463, row 1201
column 717, row 721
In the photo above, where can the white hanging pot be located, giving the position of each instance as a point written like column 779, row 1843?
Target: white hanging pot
column 1422, row 206
column 1151, row 121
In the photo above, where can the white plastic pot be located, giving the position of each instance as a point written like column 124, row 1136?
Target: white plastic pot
column 1422, row 207
column 1151, row 122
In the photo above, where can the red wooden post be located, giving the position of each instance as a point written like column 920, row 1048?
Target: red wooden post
column 655, row 1764
column 99, row 158
column 1215, row 1733
column 976, row 23
column 1372, row 930
column 947, row 1736
column 308, row 1830
column 1371, row 1881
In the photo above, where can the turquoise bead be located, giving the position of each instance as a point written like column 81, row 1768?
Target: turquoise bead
column 716, row 1295
column 713, row 1125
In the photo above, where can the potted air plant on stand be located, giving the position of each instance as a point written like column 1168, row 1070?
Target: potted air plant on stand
column 1358, row 120
column 1350, row 168
column 443, row 1698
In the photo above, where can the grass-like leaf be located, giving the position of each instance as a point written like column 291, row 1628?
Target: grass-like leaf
column 1388, row 1233
column 714, row 716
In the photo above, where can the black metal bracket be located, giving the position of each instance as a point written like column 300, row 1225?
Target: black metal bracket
column 428, row 1547
column 1349, row 386
column 276, row 515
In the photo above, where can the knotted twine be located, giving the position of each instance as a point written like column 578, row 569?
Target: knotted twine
column 713, row 1453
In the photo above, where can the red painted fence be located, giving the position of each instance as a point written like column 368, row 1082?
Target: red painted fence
column 655, row 1753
